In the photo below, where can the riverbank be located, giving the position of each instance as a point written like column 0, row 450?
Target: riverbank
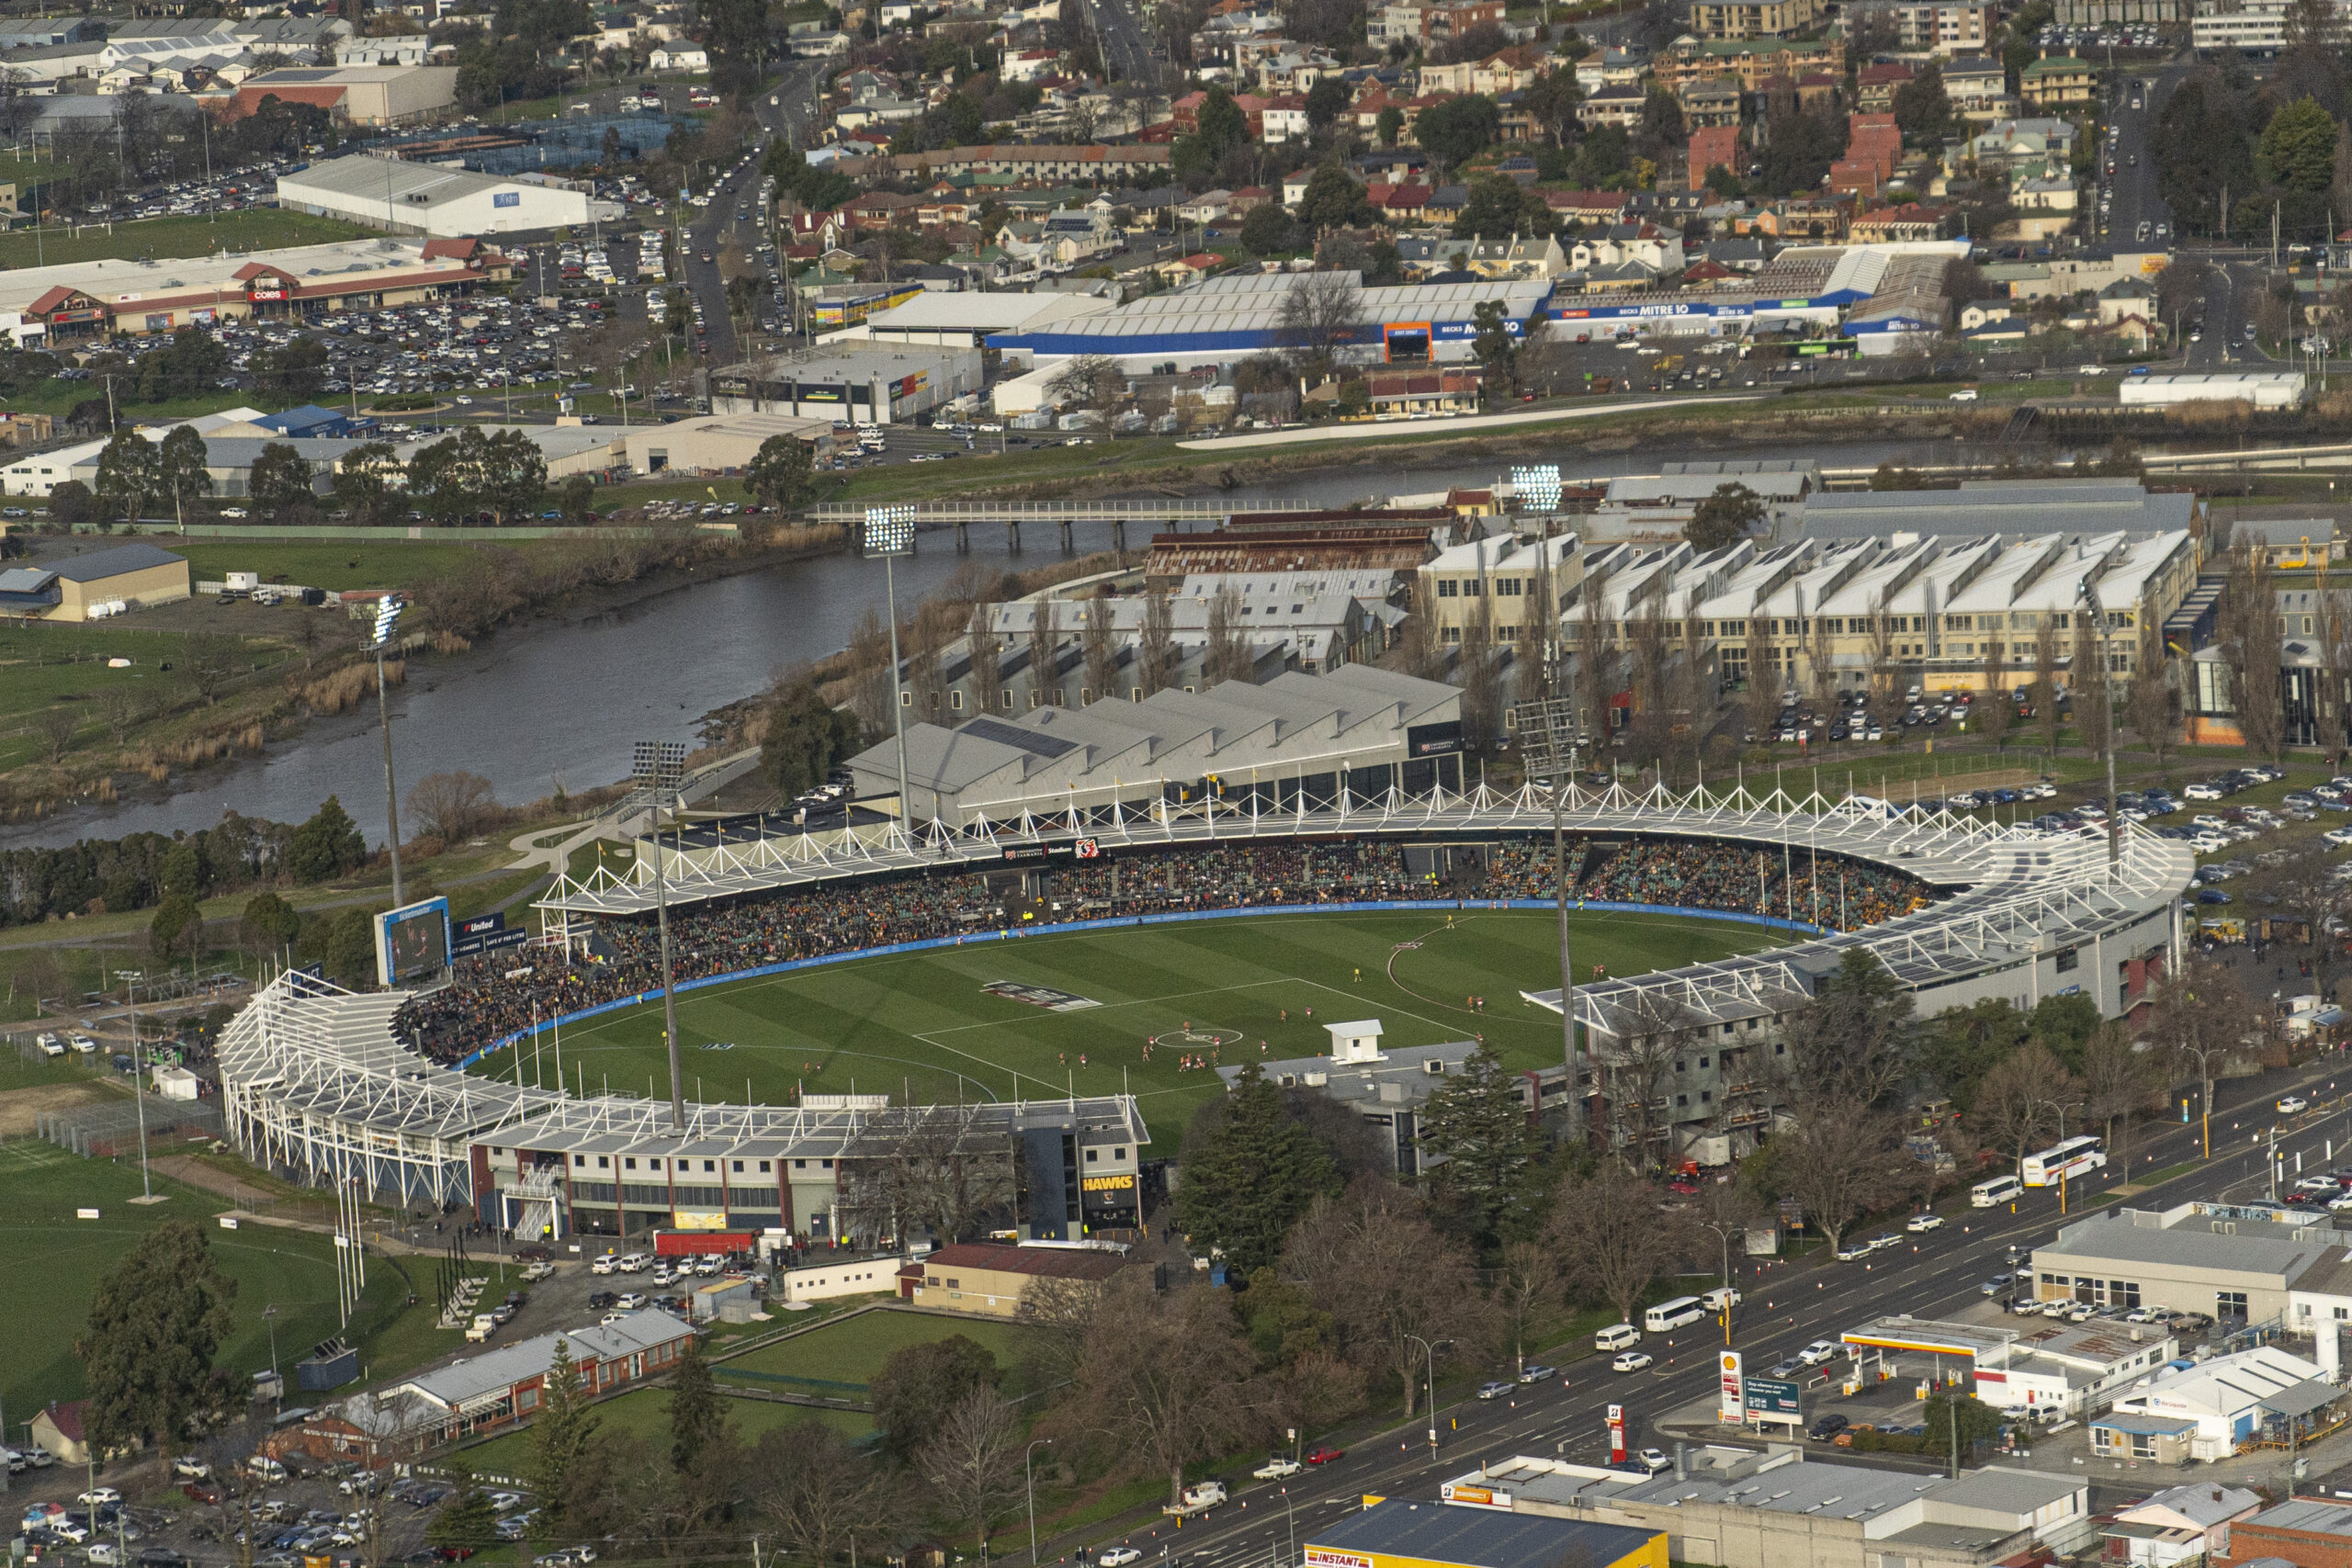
column 159, row 728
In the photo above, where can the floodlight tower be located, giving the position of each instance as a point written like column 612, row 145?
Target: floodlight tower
column 657, row 768
column 891, row 533
column 1547, row 735
column 388, row 615
column 2086, row 594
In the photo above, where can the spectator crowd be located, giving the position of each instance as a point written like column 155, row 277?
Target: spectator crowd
column 496, row 996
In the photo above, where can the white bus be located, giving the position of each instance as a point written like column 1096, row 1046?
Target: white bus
column 1668, row 1316
column 2069, row 1156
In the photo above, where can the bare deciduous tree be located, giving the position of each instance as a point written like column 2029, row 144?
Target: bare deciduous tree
column 1529, row 1283
column 2021, row 1102
column 1226, row 657
column 1090, row 381
column 1320, row 312
column 1614, row 1236
column 1162, row 1376
column 873, row 684
column 987, row 652
column 1839, row 1160
column 1101, row 651
column 2253, row 636
column 972, row 1463
column 818, row 1493
column 1156, row 645
column 930, row 1166
column 1482, row 678
column 2045, row 681
column 2152, row 704
column 453, row 807
column 1999, row 710
column 1044, row 653
column 1373, row 1260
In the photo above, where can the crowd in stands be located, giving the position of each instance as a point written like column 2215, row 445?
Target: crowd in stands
column 489, row 1000
column 1705, row 874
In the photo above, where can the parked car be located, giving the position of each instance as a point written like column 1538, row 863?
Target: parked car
column 1827, row 1427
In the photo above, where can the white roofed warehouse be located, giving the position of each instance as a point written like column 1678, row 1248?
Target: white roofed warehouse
column 1226, row 318
column 424, row 198
column 2263, row 388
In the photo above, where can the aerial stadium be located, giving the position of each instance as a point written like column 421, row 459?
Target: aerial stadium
column 1046, row 983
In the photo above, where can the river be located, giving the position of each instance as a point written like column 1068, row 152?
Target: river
column 560, row 699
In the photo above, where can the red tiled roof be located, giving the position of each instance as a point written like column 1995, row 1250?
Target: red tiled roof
column 1040, row 1262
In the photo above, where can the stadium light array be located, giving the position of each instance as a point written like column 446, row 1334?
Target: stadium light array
column 890, row 530
column 388, row 615
column 1538, row 487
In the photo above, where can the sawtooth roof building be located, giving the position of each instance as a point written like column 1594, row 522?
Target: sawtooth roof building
column 1358, row 727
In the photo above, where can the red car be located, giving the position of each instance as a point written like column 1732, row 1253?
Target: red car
column 1325, row 1456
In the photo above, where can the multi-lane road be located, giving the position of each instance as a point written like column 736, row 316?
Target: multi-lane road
column 1124, row 40
column 1787, row 1306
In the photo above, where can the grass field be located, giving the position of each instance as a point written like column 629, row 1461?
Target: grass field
column 51, row 1262
column 46, row 665
column 332, row 564
column 646, row 1414
column 921, row 1026
column 854, row 1349
column 254, row 229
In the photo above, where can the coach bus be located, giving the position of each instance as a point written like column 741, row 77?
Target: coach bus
column 1668, row 1316
column 2069, row 1156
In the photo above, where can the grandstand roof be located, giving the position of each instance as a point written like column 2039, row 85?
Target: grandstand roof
column 1355, row 715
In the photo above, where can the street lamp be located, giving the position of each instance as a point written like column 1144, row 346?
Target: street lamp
column 1029, row 1480
column 388, row 615
column 891, row 533
column 1432, row 1350
column 658, row 766
column 1547, row 735
column 2087, row 593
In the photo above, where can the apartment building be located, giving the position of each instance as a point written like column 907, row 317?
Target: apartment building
column 1511, row 583
column 1754, row 18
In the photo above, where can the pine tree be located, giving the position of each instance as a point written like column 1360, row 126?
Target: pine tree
column 1478, row 1121
column 467, row 1519
column 559, row 1439
column 155, row 1323
column 698, row 1423
column 1249, row 1172
column 327, row 846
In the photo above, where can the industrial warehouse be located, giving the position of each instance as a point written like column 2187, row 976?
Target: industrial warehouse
column 427, row 199
column 1225, row 318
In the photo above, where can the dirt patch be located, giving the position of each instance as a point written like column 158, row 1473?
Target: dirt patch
column 209, row 1179
column 21, row 1108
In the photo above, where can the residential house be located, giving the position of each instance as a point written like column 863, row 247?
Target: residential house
column 1189, row 269
column 1206, row 208
column 1446, row 204
column 1402, row 203
column 1876, row 84
column 1611, row 68
column 2057, row 80
column 1285, row 120
column 1978, row 85
column 1659, row 249
column 1423, row 21
column 1516, row 257
column 1891, row 224
column 1587, row 207
column 2043, row 145
column 879, row 209
column 678, row 56
column 1028, row 65
column 1185, row 112
column 2179, row 1524
column 1713, row 103
column 1620, row 106
column 1424, row 391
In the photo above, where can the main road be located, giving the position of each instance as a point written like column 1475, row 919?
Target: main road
column 1787, row 1306
column 784, row 107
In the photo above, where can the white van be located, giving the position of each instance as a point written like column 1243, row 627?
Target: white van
column 262, row 1467
column 1668, row 1316
column 1722, row 1297
column 1997, row 1190
column 634, row 1263
column 602, row 1263
column 1617, row 1336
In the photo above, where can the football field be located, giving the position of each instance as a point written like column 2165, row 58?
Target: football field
column 1149, row 1010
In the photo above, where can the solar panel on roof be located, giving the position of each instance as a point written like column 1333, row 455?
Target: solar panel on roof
column 1029, row 741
